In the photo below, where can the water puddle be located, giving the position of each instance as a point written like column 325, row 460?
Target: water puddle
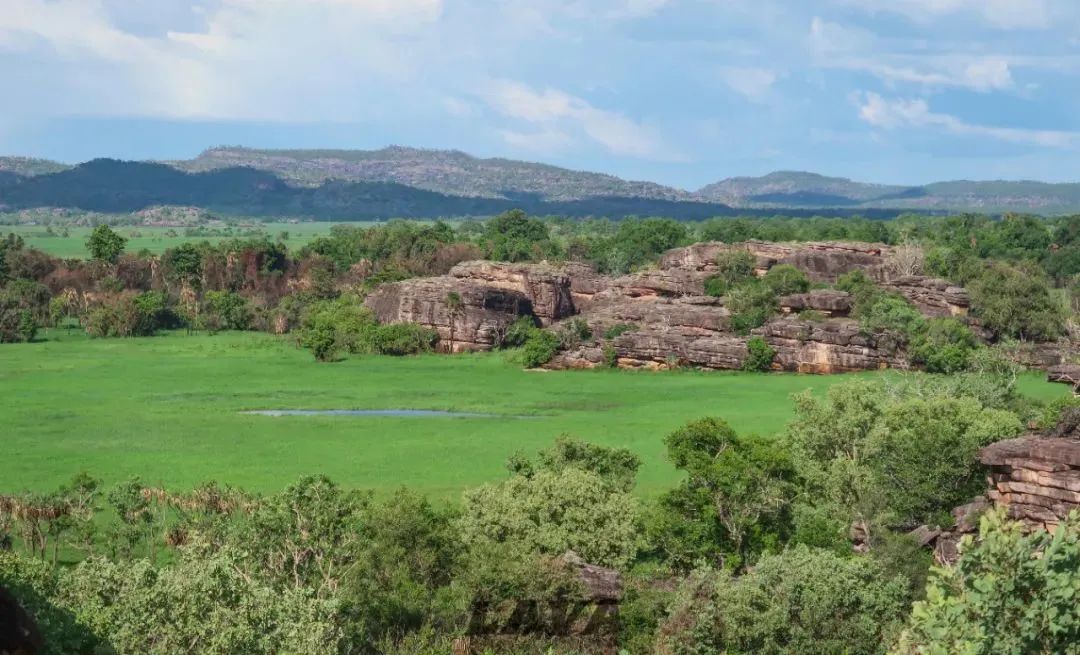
column 410, row 413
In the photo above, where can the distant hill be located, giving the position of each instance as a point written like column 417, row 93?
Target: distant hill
column 107, row 185
column 411, row 182
column 445, row 171
column 28, row 166
column 794, row 189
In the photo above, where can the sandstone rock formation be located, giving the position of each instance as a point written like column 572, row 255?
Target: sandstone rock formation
column 931, row 296
column 829, row 302
column 547, row 288
column 479, row 323
column 1037, row 477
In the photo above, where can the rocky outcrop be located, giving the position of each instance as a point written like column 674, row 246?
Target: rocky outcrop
column 1065, row 374
column 1037, row 477
column 830, row 346
column 823, row 261
column 931, row 296
column 546, row 287
column 829, row 302
column 477, row 322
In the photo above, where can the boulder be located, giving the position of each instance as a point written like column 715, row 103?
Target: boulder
column 931, row 296
column 479, row 323
column 823, row 261
column 1036, row 478
column 827, row 301
column 830, row 346
column 546, row 287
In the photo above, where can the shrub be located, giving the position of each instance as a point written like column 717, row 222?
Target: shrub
column 104, row 244
column 331, row 327
column 573, row 333
column 760, row 355
column 225, row 310
column 540, row 347
column 735, row 266
column 611, row 356
column 800, row 602
column 715, row 286
column 618, row 330
column 401, row 339
column 944, row 346
column 518, row 332
column 16, row 324
column 1016, row 302
column 812, row 315
column 751, row 303
column 551, row 512
column 785, row 279
column 127, row 315
column 1012, row 591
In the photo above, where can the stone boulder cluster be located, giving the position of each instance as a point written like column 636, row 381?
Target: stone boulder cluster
column 661, row 317
column 1035, row 479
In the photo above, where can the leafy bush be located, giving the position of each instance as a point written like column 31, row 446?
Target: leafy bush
column 799, row 602
column 573, row 333
column 760, row 355
column 735, row 266
column 127, row 315
column 225, row 310
column 944, row 346
column 104, row 244
column 611, row 356
column 1016, row 302
column 401, row 339
column 539, row 349
column 331, row 327
column 1012, row 591
column 551, row 512
column 751, row 304
column 518, row 332
column 618, row 330
column 716, row 286
column 16, row 323
column 785, row 279
column 733, row 504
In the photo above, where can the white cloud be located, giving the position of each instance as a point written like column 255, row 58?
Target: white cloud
column 553, row 108
column 899, row 113
column 1004, row 14
column 754, row 83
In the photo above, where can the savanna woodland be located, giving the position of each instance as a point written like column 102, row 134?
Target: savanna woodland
column 916, row 497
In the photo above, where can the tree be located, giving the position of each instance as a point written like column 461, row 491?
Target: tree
column 1015, row 302
column 802, row 601
column 455, row 306
column 104, row 244
column 734, row 501
column 1012, row 591
column 514, row 237
column 550, row 512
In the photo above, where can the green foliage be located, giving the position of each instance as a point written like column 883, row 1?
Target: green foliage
column 184, row 262
column 799, row 602
column 924, row 454
column 785, row 279
column 760, row 355
column 573, row 333
column 401, row 339
column 872, row 458
column 519, row 332
column 35, row 585
column 751, row 304
column 540, row 347
column 225, row 310
column 136, row 609
column 619, row 329
column 1012, row 591
column 16, row 323
column 128, row 315
column 514, row 237
column 332, row 327
column 104, row 244
column 552, row 511
column 616, row 466
column 734, row 502
column 944, row 346
column 715, row 286
column 893, row 315
column 1015, row 301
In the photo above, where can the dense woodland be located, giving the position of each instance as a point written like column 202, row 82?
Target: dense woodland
column 792, row 543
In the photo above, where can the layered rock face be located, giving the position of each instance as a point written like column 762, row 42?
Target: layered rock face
column 1037, row 477
column 478, row 322
column 660, row 317
column 547, row 288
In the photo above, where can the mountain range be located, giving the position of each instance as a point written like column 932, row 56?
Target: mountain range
column 412, row 182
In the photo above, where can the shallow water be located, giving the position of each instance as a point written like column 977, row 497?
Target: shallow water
column 413, row 413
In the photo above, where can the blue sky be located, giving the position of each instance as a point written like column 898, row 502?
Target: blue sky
column 683, row 92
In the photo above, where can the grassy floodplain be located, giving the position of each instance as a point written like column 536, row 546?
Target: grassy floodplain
column 154, row 239
column 168, row 408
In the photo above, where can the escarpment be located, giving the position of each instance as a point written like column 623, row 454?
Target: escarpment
column 661, row 317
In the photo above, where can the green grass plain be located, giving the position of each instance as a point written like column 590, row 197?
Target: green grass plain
column 154, row 239
column 167, row 408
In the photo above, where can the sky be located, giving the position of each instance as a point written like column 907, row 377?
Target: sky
column 681, row 92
